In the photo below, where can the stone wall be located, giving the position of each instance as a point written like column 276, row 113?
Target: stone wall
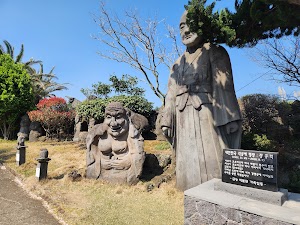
column 198, row 212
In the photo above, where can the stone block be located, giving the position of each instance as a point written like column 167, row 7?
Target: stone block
column 276, row 198
column 219, row 207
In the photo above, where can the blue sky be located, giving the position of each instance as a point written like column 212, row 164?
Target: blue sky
column 59, row 32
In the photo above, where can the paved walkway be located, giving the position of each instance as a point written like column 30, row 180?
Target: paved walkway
column 17, row 208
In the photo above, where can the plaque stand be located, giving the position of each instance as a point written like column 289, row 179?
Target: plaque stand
column 204, row 204
column 275, row 198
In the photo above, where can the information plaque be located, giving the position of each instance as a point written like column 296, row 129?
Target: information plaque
column 256, row 169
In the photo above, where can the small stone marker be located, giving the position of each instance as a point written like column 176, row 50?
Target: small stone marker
column 42, row 166
column 21, row 151
column 256, row 169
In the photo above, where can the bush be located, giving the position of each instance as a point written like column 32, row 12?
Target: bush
column 262, row 143
column 294, row 185
column 54, row 116
column 95, row 108
column 258, row 142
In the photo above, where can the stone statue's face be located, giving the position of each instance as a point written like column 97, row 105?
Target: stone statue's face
column 117, row 122
column 188, row 38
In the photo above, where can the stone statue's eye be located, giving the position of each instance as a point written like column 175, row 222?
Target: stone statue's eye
column 108, row 116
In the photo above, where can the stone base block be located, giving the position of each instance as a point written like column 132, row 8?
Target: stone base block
column 275, row 198
column 205, row 205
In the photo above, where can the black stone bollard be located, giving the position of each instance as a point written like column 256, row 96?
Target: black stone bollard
column 21, row 151
column 42, row 166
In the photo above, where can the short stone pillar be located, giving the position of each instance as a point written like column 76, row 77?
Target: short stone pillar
column 21, row 151
column 42, row 166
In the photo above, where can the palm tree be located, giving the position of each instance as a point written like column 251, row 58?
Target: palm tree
column 43, row 83
column 10, row 51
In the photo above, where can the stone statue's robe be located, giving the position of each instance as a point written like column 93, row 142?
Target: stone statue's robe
column 200, row 101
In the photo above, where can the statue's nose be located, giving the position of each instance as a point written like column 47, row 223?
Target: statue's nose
column 113, row 121
column 186, row 30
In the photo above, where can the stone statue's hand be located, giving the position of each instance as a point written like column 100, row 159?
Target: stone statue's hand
column 120, row 164
column 106, row 164
column 232, row 127
column 167, row 131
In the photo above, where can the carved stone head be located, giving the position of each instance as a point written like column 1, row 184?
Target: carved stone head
column 188, row 38
column 116, row 119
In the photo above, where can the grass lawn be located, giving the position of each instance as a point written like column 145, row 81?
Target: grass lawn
column 90, row 201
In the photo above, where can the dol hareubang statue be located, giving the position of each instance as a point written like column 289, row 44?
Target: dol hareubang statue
column 201, row 116
column 115, row 148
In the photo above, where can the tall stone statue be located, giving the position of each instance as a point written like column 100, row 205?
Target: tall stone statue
column 115, row 148
column 201, row 116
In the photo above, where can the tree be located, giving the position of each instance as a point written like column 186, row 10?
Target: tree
column 127, row 85
column 43, row 83
column 258, row 111
column 137, row 43
column 16, row 95
column 122, row 90
column 282, row 56
column 253, row 20
column 10, row 51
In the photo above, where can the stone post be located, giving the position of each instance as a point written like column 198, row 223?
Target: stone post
column 20, row 155
column 21, row 151
column 42, row 166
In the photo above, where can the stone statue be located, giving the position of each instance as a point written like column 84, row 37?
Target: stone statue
column 115, row 148
column 24, row 126
column 21, row 140
column 201, row 116
column 73, row 101
column 78, row 123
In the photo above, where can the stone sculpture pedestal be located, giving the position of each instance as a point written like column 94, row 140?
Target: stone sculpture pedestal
column 211, row 203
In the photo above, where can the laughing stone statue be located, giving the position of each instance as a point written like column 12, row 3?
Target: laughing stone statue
column 115, row 148
column 201, row 116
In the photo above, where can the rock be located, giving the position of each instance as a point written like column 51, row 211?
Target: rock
column 36, row 131
column 74, row 175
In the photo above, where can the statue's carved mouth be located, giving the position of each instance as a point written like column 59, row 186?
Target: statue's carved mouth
column 115, row 128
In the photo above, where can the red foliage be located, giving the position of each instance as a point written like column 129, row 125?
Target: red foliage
column 54, row 116
column 48, row 102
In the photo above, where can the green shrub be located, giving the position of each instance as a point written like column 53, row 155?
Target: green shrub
column 258, row 142
column 95, row 108
column 262, row 143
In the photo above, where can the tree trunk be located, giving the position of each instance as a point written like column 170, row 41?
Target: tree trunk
column 6, row 131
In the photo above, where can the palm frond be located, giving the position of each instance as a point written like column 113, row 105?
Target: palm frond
column 43, row 83
column 32, row 62
column 20, row 55
column 1, row 50
column 51, row 71
column 9, row 48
